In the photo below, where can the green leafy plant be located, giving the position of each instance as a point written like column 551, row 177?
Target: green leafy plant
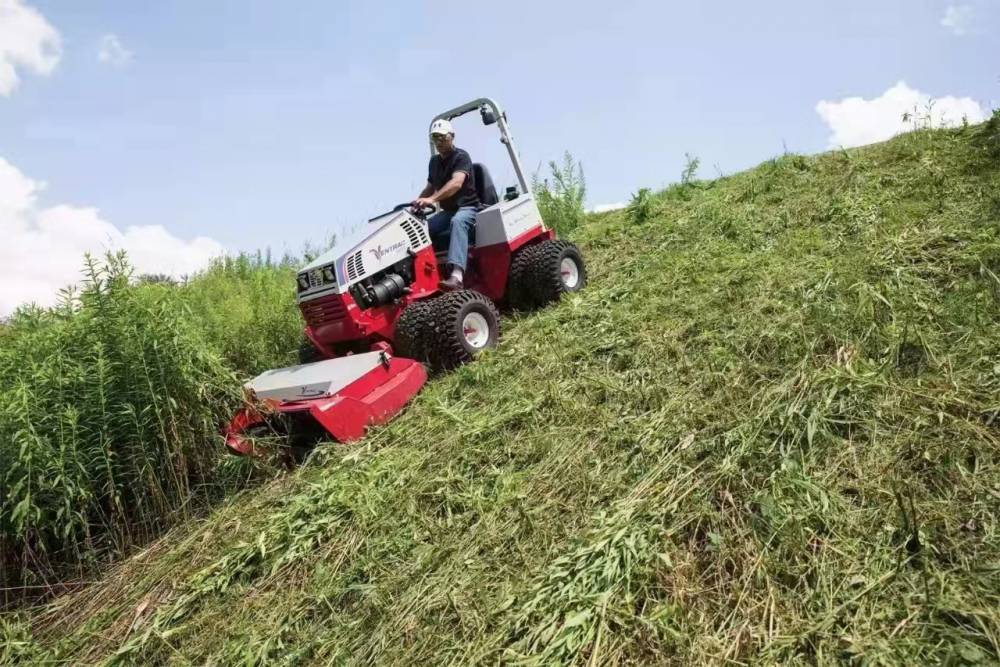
column 988, row 135
column 641, row 207
column 245, row 305
column 110, row 408
column 690, row 172
column 560, row 197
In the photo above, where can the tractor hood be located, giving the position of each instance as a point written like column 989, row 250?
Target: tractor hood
column 380, row 244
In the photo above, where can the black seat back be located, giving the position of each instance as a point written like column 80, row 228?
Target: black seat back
column 485, row 190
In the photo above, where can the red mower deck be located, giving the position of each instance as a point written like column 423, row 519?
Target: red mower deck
column 345, row 396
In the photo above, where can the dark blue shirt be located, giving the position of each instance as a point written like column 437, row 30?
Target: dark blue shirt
column 440, row 171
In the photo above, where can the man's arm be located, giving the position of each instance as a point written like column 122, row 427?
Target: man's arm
column 448, row 189
column 451, row 187
column 423, row 199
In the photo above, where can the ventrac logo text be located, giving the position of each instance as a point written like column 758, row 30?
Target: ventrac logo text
column 381, row 252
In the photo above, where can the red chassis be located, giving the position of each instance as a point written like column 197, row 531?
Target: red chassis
column 337, row 319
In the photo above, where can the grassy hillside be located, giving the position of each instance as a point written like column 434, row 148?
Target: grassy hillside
column 768, row 431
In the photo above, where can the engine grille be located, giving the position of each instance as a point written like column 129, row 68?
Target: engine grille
column 323, row 311
column 315, row 278
column 355, row 269
column 417, row 233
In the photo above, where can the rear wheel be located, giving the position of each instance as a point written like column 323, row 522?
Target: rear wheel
column 557, row 267
column 465, row 323
column 519, row 293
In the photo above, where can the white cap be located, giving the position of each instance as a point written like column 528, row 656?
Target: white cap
column 442, row 126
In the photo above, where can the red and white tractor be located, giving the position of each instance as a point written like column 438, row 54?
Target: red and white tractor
column 375, row 315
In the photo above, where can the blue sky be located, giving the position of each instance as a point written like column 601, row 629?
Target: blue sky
column 270, row 124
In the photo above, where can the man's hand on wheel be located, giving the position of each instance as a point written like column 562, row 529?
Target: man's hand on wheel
column 423, row 202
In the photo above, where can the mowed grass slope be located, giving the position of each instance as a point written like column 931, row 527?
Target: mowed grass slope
column 767, row 431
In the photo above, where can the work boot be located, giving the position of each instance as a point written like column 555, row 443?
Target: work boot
column 452, row 284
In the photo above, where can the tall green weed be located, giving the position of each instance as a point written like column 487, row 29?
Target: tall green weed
column 110, row 408
column 560, row 197
column 246, row 308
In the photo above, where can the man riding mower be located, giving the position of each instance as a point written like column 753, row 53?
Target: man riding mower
column 377, row 310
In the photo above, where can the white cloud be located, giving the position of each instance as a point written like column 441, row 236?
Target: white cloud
column 856, row 121
column 27, row 41
column 42, row 249
column 601, row 208
column 958, row 18
column 113, row 52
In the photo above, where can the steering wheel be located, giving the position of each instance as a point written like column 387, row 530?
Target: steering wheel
column 422, row 211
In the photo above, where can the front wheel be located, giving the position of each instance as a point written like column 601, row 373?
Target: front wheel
column 308, row 353
column 415, row 330
column 465, row 323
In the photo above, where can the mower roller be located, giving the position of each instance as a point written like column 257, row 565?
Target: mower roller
column 375, row 315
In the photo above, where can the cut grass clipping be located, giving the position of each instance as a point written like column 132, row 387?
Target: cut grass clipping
column 767, row 432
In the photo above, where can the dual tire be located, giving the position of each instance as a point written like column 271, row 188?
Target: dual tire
column 448, row 330
column 540, row 274
column 444, row 331
column 451, row 329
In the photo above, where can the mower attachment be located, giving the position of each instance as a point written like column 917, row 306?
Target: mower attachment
column 344, row 395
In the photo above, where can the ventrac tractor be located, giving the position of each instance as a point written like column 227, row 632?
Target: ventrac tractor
column 375, row 315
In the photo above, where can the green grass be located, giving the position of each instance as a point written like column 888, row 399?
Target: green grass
column 767, row 432
column 246, row 309
column 111, row 406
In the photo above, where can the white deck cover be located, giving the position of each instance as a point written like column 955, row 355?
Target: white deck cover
column 323, row 378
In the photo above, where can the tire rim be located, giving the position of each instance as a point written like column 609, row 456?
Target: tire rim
column 476, row 330
column 570, row 272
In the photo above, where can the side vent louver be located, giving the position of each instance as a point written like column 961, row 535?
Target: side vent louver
column 417, row 234
column 354, row 267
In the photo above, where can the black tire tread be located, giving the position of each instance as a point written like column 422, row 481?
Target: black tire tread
column 448, row 350
column 519, row 295
column 415, row 328
column 544, row 279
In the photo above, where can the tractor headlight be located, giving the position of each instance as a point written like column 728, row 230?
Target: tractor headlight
column 328, row 275
column 303, row 282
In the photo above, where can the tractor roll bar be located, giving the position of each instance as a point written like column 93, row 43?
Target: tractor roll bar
column 485, row 103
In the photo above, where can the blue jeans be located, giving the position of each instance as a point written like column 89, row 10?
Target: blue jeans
column 460, row 222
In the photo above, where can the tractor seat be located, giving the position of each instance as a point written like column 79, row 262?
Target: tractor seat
column 485, row 190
